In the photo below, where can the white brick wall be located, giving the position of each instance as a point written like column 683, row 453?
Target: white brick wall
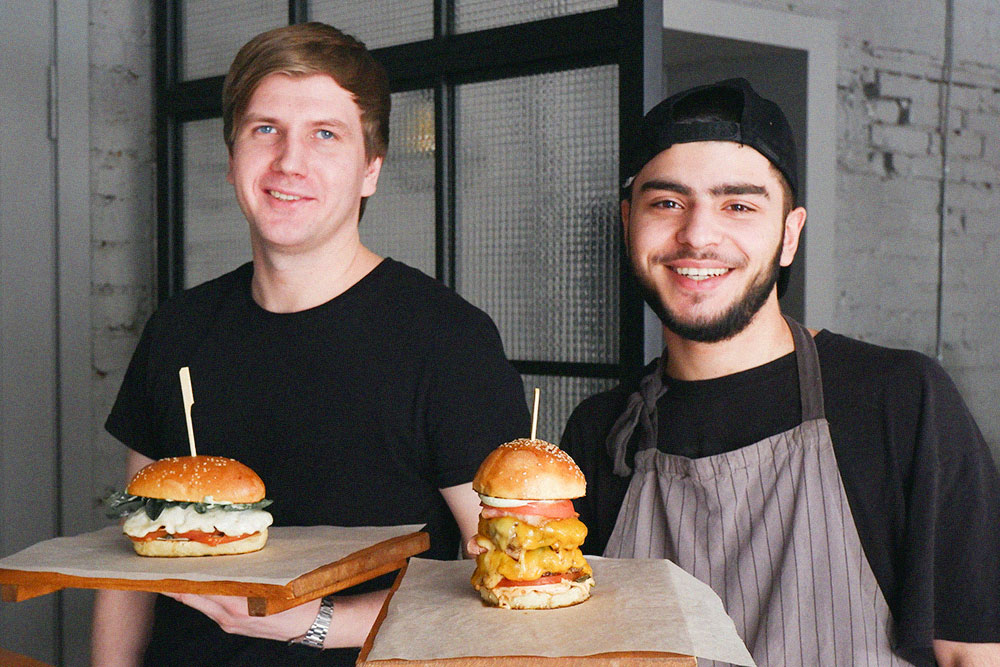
column 122, row 211
column 891, row 71
column 889, row 163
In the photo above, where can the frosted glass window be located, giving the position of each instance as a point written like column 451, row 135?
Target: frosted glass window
column 537, row 212
column 557, row 398
column 378, row 23
column 473, row 15
column 212, row 31
column 216, row 237
column 399, row 220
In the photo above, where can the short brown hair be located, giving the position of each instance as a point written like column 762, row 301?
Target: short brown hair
column 301, row 50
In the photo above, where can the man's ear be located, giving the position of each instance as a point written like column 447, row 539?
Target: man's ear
column 626, row 209
column 372, row 171
column 794, row 222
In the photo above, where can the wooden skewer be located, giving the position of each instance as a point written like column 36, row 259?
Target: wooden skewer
column 188, row 395
column 534, row 415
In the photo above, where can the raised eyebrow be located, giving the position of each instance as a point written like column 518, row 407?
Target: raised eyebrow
column 668, row 186
column 739, row 189
column 250, row 119
column 333, row 122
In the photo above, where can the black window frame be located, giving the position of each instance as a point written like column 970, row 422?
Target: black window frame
column 598, row 37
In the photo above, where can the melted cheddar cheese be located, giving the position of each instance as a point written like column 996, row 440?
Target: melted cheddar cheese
column 494, row 565
column 513, row 535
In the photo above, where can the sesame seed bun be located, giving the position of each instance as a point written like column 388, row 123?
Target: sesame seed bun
column 530, row 470
column 193, row 478
column 551, row 596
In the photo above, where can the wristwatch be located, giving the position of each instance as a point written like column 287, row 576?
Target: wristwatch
column 316, row 634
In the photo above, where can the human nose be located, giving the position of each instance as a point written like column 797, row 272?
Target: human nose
column 698, row 228
column 290, row 157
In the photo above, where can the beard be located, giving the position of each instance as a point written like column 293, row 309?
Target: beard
column 725, row 325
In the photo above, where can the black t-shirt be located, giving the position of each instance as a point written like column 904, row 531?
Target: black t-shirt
column 921, row 483
column 354, row 413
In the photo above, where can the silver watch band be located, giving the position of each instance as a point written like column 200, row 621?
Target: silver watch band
column 316, row 634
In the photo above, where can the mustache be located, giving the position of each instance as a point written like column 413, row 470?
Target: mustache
column 670, row 257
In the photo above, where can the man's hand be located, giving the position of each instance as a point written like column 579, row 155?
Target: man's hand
column 962, row 654
column 230, row 613
column 353, row 617
column 464, row 505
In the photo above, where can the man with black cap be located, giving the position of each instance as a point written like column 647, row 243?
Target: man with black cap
column 837, row 495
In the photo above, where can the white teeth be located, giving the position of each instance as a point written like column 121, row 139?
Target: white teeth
column 699, row 273
column 282, row 196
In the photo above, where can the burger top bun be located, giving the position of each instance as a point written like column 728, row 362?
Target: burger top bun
column 529, row 470
column 193, row 478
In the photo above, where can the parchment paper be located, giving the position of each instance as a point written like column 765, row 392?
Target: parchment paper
column 636, row 605
column 291, row 551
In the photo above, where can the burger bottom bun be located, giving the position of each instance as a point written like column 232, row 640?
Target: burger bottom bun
column 177, row 548
column 550, row 596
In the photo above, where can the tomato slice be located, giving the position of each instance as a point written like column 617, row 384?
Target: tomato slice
column 193, row 535
column 541, row 581
column 559, row 509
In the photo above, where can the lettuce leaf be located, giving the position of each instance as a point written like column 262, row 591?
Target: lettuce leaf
column 121, row 504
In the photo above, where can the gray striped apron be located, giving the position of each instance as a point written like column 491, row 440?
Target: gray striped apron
column 768, row 527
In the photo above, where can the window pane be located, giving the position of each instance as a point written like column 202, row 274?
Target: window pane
column 215, row 232
column 473, row 15
column 536, row 211
column 557, row 398
column 378, row 23
column 399, row 218
column 212, row 31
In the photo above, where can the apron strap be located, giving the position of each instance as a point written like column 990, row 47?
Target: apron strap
column 638, row 420
column 810, row 379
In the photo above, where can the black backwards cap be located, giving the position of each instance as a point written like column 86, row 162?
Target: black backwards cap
column 761, row 125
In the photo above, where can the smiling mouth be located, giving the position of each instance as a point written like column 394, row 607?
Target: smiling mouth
column 699, row 273
column 282, row 196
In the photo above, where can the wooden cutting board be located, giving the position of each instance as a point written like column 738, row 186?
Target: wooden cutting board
column 262, row 599
column 622, row 659
column 9, row 659
column 616, row 659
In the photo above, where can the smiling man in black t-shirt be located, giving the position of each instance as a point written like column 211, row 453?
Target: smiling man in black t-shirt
column 362, row 391
column 837, row 495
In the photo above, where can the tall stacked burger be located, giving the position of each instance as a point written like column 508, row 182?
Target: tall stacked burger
column 529, row 537
column 193, row 506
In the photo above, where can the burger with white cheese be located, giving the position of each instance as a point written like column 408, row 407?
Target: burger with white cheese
column 193, row 506
column 528, row 543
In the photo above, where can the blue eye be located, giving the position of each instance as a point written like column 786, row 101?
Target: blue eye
column 325, row 134
column 266, row 129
